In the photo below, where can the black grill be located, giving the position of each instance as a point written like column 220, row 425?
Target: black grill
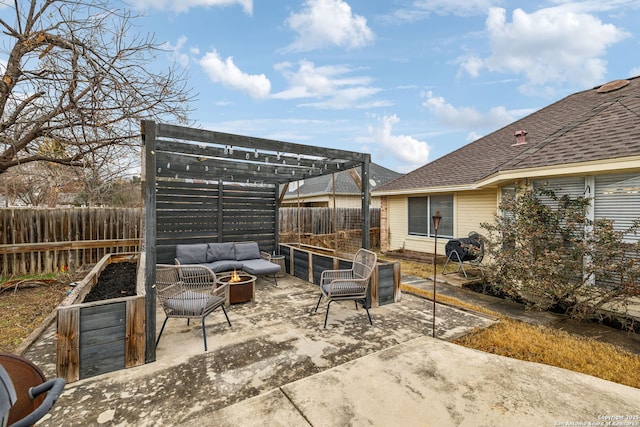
column 466, row 248
column 470, row 249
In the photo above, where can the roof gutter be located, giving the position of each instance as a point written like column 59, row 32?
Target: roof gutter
column 405, row 191
column 626, row 164
column 621, row 165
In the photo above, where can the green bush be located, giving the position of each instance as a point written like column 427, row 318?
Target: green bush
column 545, row 252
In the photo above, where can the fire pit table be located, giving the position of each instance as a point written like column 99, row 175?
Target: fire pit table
column 241, row 286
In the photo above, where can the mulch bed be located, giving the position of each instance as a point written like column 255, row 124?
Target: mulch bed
column 117, row 280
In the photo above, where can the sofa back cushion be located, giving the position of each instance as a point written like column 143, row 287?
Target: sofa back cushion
column 247, row 250
column 192, row 253
column 220, row 252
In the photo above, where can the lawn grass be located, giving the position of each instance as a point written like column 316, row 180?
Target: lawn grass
column 540, row 344
column 536, row 343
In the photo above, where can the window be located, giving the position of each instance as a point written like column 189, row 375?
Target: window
column 421, row 209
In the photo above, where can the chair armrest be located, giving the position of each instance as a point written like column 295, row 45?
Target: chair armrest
column 220, row 289
column 265, row 255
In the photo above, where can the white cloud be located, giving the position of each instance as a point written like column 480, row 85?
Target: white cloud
column 423, row 9
column 456, row 7
column 227, row 73
column 410, row 151
column 185, row 5
column 634, row 72
column 472, row 136
column 549, row 47
column 332, row 86
column 324, row 23
column 176, row 51
column 468, row 118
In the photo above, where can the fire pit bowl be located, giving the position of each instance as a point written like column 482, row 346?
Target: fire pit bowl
column 241, row 286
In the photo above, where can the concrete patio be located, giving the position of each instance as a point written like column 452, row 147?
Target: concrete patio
column 278, row 366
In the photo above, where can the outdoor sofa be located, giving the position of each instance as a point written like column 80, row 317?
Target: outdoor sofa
column 229, row 256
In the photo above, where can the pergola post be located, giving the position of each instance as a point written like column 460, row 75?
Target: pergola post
column 276, row 219
column 365, row 195
column 149, row 234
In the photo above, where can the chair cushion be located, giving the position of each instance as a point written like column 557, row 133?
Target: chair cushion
column 260, row 266
column 220, row 251
column 224, row 265
column 192, row 253
column 247, row 250
column 192, row 303
column 344, row 289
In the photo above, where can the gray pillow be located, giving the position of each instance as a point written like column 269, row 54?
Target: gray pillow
column 193, row 253
column 220, row 251
column 247, row 250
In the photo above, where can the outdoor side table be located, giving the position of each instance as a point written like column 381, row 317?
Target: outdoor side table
column 279, row 259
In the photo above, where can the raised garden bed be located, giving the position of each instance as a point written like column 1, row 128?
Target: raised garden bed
column 308, row 263
column 101, row 324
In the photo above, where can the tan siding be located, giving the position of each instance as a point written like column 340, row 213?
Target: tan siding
column 397, row 221
column 327, row 201
column 474, row 208
column 354, row 202
column 470, row 209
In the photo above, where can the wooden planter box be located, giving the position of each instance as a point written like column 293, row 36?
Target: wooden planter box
column 101, row 336
column 308, row 263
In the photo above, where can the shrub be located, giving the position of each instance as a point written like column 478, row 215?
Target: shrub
column 546, row 252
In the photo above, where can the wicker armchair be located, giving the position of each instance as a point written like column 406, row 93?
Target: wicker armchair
column 191, row 292
column 351, row 284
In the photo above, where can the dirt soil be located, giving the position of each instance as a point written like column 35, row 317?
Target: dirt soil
column 117, row 280
column 24, row 305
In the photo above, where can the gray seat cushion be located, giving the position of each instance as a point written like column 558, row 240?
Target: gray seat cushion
column 192, row 253
column 260, row 266
column 247, row 251
column 192, row 303
column 223, row 265
column 344, row 289
column 221, row 251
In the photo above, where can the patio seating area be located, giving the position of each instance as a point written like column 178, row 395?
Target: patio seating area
column 277, row 365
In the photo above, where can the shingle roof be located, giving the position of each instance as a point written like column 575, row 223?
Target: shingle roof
column 344, row 183
column 595, row 124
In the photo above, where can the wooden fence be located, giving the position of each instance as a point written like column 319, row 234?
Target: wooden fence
column 42, row 240
column 338, row 228
column 324, row 220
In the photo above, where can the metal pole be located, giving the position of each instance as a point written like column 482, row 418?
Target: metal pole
column 436, row 224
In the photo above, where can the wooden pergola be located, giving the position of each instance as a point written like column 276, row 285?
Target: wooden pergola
column 207, row 186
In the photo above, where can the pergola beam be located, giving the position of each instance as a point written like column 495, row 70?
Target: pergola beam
column 182, row 160
column 236, row 141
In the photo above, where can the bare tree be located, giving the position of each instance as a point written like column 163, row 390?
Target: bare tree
column 78, row 79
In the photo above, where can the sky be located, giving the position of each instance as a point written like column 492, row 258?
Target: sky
column 407, row 81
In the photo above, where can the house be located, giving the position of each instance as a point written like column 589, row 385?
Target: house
column 319, row 191
column 585, row 144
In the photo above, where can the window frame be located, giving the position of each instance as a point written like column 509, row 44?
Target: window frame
column 447, row 218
